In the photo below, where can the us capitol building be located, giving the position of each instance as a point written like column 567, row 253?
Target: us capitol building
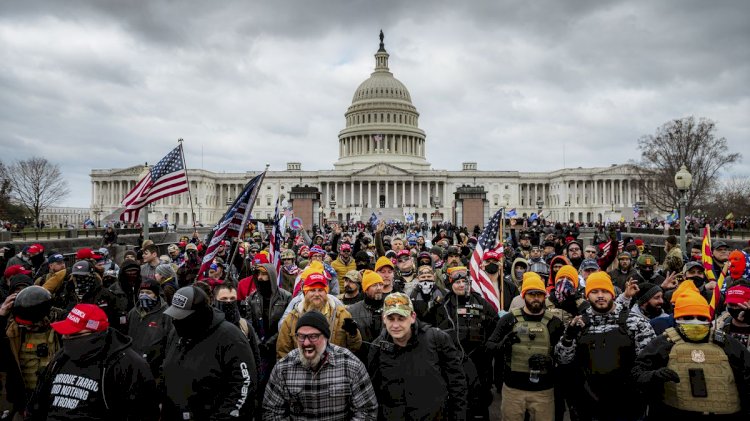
column 382, row 168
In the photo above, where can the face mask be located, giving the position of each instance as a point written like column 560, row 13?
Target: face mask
column 84, row 347
column 195, row 324
column 146, row 302
column 698, row 281
column 694, row 330
column 647, row 273
column 230, row 310
column 738, row 314
column 492, row 268
column 426, row 287
column 519, row 274
column 84, row 286
column 564, row 290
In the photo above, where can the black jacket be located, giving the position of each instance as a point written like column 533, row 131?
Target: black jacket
column 422, row 381
column 209, row 376
column 127, row 384
column 656, row 355
column 149, row 332
column 447, row 319
column 277, row 304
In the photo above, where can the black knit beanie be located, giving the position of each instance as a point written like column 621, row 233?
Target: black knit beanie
column 646, row 291
column 314, row 319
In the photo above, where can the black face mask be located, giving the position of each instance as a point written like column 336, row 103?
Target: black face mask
column 647, row 273
column 82, row 348
column 738, row 314
column 492, row 268
column 698, row 281
column 84, row 285
column 37, row 260
column 195, row 324
column 231, row 311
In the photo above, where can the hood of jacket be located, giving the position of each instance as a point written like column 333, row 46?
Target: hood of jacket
column 561, row 259
column 513, row 269
column 273, row 277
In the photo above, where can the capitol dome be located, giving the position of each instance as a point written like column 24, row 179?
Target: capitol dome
column 382, row 124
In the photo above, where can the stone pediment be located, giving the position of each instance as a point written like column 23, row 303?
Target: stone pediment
column 134, row 170
column 623, row 169
column 381, row 169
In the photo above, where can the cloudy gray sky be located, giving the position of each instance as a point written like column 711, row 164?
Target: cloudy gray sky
column 113, row 84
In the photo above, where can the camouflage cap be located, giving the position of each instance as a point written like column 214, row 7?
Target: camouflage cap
column 397, row 303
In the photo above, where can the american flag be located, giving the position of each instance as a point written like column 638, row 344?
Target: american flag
column 275, row 241
column 168, row 177
column 230, row 225
column 605, row 247
column 487, row 242
column 636, row 211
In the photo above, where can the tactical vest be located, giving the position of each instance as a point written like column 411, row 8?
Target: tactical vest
column 37, row 350
column 722, row 396
column 534, row 337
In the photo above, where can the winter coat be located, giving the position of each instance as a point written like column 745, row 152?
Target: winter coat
column 149, row 332
column 125, row 380
column 422, row 381
column 336, row 314
column 209, row 376
column 276, row 306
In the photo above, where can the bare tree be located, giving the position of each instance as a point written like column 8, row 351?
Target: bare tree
column 37, row 184
column 680, row 142
column 732, row 197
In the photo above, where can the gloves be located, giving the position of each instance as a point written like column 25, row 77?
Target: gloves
column 573, row 331
column 510, row 339
column 350, row 326
column 665, row 374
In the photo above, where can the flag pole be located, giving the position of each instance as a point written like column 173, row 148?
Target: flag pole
column 190, row 193
column 247, row 213
column 501, row 278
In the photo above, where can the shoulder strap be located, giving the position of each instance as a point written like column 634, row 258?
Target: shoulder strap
column 517, row 313
column 672, row 335
column 622, row 319
column 546, row 317
column 244, row 327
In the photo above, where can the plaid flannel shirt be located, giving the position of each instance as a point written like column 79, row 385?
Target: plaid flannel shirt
column 339, row 390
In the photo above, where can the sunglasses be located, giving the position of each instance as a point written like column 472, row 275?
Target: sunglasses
column 425, row 273
column 458, row 275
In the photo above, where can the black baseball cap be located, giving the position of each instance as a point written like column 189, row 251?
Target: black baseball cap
column 185, row 301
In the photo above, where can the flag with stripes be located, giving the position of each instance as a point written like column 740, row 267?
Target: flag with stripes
column 608, row 244
column 168, row 177
column 230, row 224
column 274, row 248
column 480, row 282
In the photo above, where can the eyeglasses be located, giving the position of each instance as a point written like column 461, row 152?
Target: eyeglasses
column 590, row 251
column 312, row 337
column 403, row 259
column 574, row 249
column 425, row 273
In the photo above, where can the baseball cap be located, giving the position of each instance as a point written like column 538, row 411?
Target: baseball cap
column 315, row 280
column 397, row 303
column 82, row 316
column 86, row 253
column 354, row 276
column 588, row 264
column 185, row 301
column 81, row 268
column 738, row 294
column 35, row 249
column 403, row 253
column 719, row 243
column 317, row 250
column 15, row 270
column 346, row 247
column 690, row 265
column 55, row 258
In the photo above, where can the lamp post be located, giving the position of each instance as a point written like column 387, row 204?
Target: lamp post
column 683, row 179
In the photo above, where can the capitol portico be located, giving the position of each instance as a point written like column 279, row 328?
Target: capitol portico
column 382, row 168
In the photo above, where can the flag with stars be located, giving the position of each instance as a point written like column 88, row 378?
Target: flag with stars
column 274, row 248
column 487, row 242
column 168, row 177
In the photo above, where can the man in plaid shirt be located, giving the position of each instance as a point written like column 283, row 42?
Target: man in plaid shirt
column 319, row 380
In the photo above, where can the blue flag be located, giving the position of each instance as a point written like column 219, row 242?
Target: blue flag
column 674, row 216
column 511, row 213
column 373, row 220
column 533, row 217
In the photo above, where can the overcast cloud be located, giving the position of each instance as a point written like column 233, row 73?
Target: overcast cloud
column 114, row 84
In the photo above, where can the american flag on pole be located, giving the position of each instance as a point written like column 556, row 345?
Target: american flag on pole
column 275, row 241
column 231, row 224
column 168, row 177
column 487, row 242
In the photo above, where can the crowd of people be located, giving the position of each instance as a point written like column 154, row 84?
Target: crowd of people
column 377, row 322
